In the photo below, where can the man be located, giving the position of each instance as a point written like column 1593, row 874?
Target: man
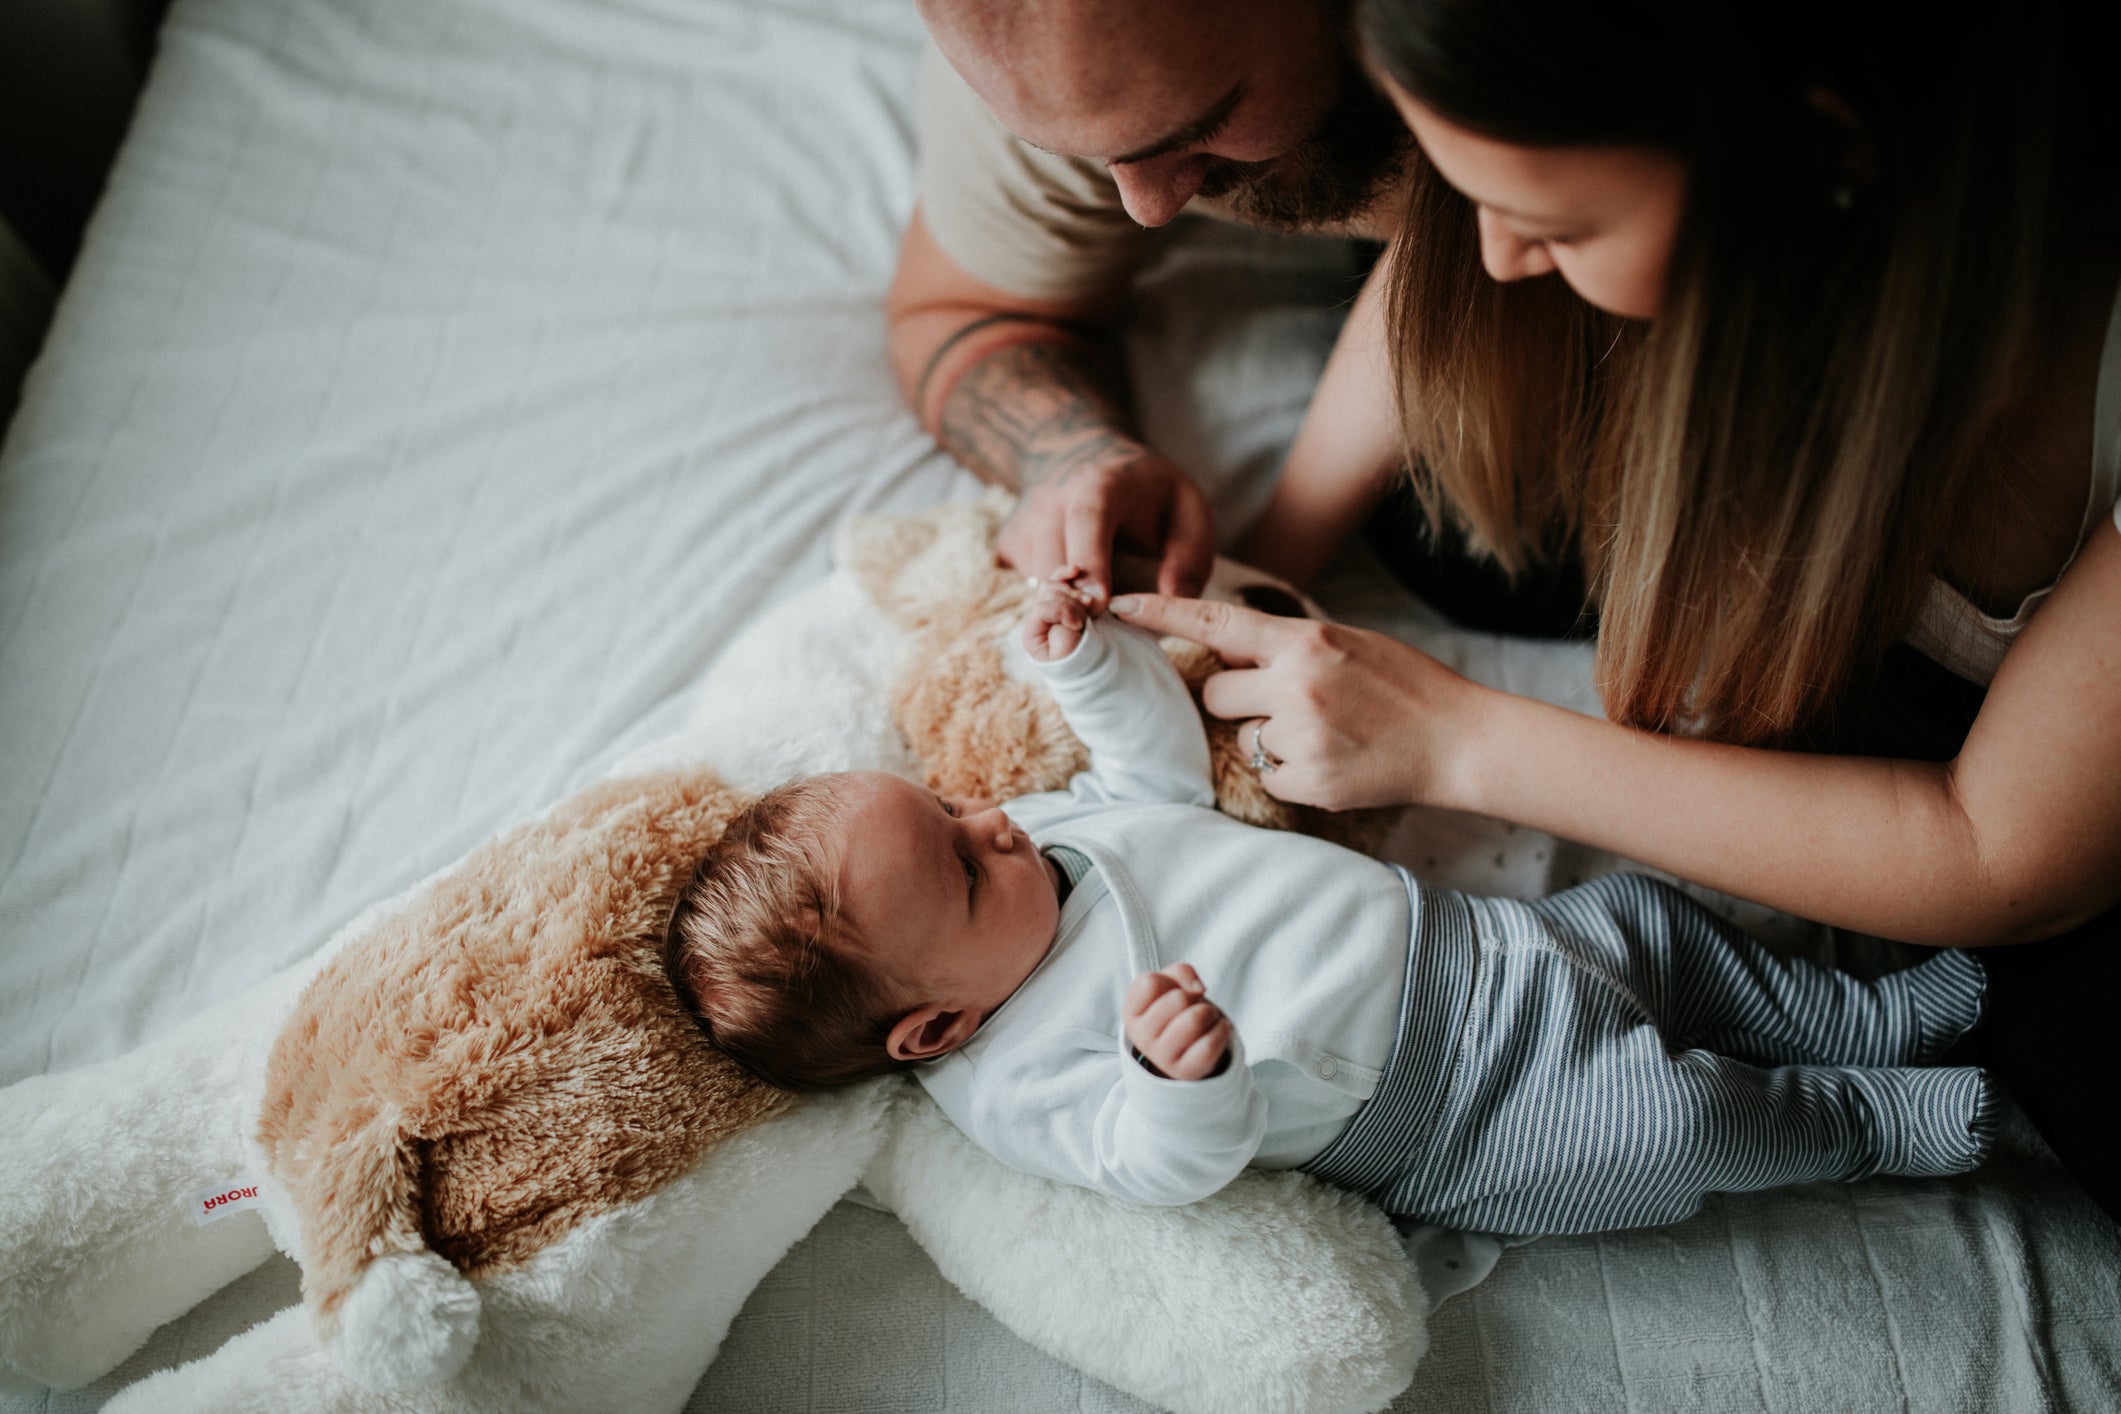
column 1054, row 134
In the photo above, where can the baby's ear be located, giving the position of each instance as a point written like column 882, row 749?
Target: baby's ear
column 929, row 1031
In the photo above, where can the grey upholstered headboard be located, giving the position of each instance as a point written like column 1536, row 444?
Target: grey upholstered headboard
column 68, row 72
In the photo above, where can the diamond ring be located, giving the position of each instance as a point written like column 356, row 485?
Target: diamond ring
column 1263, row 760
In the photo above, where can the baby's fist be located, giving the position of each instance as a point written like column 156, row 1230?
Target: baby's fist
column 1179, row 1032
column 1055, row 624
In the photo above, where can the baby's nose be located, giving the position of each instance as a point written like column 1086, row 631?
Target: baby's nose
column 990, row 817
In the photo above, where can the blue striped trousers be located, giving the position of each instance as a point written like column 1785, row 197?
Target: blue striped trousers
column 1607, row 1057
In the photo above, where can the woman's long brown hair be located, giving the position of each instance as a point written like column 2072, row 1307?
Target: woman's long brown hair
column 1761, row 479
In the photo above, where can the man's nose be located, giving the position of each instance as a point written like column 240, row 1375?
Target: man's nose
column 1157, row 190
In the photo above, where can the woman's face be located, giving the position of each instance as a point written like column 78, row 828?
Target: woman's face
column 1603, row 218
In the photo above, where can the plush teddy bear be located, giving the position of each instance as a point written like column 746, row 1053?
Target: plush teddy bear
column 516, row 1176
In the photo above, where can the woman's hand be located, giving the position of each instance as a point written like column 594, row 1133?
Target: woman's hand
column 1350, row 717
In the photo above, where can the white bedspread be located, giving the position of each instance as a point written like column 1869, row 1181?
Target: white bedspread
column 445, row 382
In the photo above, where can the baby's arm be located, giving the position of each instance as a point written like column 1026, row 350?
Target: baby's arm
column 1123, row 699
column 1069, row 1106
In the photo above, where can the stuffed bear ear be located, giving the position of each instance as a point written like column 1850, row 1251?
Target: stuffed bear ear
column 939, row 561
column 878, row 551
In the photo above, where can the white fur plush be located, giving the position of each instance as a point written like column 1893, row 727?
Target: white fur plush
column 1276, row 1295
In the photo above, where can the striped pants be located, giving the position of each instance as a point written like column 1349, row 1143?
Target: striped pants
column 1607, row 1057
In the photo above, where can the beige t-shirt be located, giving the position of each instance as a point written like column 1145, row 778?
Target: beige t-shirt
column 1027, row 221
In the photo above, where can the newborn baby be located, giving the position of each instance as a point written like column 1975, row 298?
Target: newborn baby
column 1117, row 986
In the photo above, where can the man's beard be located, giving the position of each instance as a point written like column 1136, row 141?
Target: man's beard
column 1354, row 154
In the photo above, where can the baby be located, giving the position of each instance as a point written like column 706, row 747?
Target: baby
column 1600, row 1059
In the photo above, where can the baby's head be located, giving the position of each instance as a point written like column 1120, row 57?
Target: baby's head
column 849, row 924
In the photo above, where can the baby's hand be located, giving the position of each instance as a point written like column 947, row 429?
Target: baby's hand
column 1055, row 624
column 1170, row 1020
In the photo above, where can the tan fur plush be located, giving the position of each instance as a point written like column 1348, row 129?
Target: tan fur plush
column 505, row 1057
column 982, row 732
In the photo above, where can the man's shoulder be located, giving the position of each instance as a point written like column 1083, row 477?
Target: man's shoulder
column 1030, row 222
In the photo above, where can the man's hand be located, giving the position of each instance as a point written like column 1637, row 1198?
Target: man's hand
column 1082, row 510
column 1031, row 394
column 1169, row 1019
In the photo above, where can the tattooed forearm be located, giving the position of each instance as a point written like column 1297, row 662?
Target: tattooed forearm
column 1031, row 413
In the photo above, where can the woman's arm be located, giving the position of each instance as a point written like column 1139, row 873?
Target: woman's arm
column 1345, row 455
column 2018, row 838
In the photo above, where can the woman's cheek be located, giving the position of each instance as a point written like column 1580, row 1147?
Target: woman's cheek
column 1613, row 281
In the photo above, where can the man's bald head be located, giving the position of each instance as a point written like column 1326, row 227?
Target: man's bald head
column 1050, row 68
column 1257, row 99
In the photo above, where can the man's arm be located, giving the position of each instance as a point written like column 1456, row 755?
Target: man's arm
column 1029, row 394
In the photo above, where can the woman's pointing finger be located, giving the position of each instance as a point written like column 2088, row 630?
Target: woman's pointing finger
column 1240, row 636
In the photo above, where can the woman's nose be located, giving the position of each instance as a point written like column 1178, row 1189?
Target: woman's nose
column 1507, row 255
column 1157, row 190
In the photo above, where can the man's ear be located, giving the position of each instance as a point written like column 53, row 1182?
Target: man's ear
column 929, row 1031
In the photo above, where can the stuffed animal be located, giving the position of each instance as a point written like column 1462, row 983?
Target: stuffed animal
column 515, row 1175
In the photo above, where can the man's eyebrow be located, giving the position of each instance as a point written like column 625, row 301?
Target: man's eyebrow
column 1197, row 130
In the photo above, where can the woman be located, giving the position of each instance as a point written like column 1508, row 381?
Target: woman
column 1802, row 331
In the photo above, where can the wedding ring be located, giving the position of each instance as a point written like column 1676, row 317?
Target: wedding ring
column 1263, row 760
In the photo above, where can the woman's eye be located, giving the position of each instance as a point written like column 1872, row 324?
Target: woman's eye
column 950, row 809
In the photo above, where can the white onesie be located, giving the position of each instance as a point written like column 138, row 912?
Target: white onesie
column 1303, row 944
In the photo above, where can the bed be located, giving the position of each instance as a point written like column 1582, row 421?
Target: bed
column 442, row 385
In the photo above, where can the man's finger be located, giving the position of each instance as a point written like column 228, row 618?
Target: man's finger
column 1242, row 637
column 1031, row 551
column 1087, row 532
column 1189, row 546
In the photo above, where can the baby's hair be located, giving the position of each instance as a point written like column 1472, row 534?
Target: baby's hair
column 761, row 953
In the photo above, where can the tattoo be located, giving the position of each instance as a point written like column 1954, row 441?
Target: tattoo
column 935, row 360
column 1031, row 413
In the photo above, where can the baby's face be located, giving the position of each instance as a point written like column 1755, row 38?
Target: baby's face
column 953, row 902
